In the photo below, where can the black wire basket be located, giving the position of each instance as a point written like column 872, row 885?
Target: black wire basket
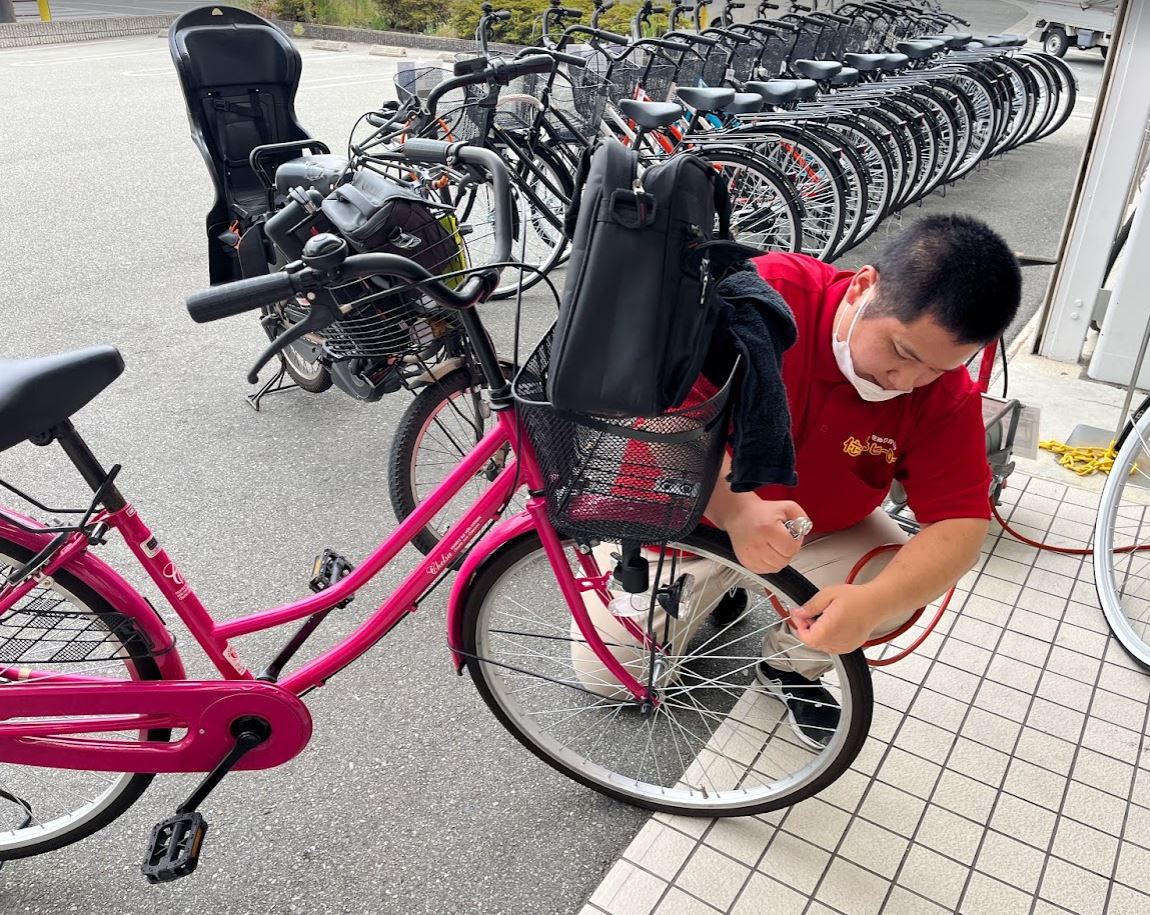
column 384, row 318
column 622, row 478
column 578, row 101
column 458, row 115
column 745, row 61
column 715, row 66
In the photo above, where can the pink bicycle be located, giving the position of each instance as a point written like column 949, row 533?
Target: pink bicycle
column 94, row 698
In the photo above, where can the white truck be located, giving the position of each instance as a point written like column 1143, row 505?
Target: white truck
column 1081, row 24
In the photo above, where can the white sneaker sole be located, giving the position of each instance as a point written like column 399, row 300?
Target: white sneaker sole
column 775, row 689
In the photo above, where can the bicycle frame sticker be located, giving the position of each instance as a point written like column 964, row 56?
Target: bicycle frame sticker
column 456, row 546
column 232, row 655
column 172, row 574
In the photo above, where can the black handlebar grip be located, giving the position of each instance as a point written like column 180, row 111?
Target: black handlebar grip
column 501, row 15
column 664, row 43
column 610, row 37
column 659, row 10
column 570, row 14
column 235, row 298
column 606, row 5
column 537, row 63
column 419, row 149
column 573, row 60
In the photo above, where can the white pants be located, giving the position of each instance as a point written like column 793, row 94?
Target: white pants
column 825, row 561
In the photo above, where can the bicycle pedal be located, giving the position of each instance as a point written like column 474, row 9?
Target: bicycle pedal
column 328, row 568
column 174, row 848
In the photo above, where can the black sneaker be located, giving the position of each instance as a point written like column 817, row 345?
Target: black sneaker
column 811, row 709
column 730, row 608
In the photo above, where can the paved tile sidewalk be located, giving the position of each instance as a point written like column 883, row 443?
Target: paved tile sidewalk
column 1006, row 771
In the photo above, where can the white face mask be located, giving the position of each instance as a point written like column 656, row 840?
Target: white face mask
column 867, row 390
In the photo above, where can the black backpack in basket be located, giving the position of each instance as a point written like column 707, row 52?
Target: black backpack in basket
column 639, row 305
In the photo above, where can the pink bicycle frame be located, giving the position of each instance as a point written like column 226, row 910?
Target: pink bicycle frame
column 57, row 716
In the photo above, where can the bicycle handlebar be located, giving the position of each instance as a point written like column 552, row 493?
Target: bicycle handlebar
column 661, row 43
column 609, row 37
column 501, row 72
column 693, row 38
column 728, row 35
column 302, row 277
column 236, row 298
column 573, row 60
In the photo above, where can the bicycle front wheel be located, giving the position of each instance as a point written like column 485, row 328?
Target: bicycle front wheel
column 1123, row 523
column 713, row 743
column 66, row 627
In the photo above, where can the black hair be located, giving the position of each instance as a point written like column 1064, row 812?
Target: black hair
column 957, row 270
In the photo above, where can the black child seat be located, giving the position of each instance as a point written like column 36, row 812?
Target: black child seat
column 239, row 74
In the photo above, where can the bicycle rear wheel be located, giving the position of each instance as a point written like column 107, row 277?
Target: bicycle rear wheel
column 764, row 212
column 44, row 809
column 436, row 432
column 1123, row 521
column 715, row 743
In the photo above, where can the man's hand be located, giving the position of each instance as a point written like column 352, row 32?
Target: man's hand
column 837, row 620
column 757, row 533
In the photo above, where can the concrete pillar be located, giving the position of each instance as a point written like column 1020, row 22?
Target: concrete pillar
column 1104, row 184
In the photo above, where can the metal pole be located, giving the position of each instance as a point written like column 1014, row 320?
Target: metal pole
column 7, row 11
column 45, row 10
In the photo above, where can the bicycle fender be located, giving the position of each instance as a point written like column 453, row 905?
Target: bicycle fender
column 510, row 529
column 111, row 586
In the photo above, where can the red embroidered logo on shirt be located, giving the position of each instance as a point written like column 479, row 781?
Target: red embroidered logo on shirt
column 875, row 444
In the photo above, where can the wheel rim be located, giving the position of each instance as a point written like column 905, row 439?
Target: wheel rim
column 716, row 740
column 761, row 214
column 1123, row 580
column 816, row 188
column 62, row 800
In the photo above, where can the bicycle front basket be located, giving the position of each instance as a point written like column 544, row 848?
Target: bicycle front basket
column 622, row 478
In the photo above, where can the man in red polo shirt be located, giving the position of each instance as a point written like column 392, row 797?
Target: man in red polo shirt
column 878, row 391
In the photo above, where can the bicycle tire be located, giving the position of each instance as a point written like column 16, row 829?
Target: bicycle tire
column 1109, row 567
column 818, row 183
column 405, row 490
column 777, row 212
column 683, row 797
column 1067, row 93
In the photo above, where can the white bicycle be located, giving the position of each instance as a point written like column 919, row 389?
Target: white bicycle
column 1122, row 539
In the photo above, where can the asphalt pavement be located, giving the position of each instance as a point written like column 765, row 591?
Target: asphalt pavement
column 411, row 797
column 104, row 9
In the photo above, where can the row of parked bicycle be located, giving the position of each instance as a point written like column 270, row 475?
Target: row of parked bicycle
column 823, row 123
